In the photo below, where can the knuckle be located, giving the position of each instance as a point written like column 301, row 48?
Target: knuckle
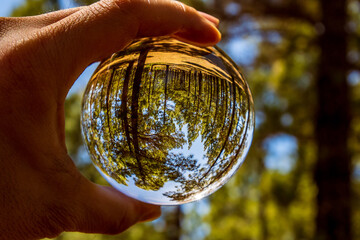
column 118, row 5
column 114, row 10
column 100, row 8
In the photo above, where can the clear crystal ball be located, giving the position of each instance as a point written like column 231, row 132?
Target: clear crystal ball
column 166, row 122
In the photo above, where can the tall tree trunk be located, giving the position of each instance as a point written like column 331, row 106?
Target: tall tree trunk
column 123, row 107
column 135, row 111
column 165, row 92
column 332, row 171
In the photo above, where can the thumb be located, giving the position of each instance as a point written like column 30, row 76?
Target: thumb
column 105, row 210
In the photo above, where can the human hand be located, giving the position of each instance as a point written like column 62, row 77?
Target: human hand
column 41, row 192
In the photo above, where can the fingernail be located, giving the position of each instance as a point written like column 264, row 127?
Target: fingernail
column 215, row 21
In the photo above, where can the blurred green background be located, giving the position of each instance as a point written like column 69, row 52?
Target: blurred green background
column 301, row 179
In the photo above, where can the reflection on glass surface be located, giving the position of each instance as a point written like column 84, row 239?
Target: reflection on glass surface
column 166, row 122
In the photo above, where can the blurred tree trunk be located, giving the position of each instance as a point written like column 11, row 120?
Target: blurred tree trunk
column 332, row 118
column 264, row 231
column 55, row 4
column 173, row 224
column 332, row 170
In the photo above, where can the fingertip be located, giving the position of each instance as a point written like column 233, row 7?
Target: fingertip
column 204, row 34
column 151, row 213
column 213, row 35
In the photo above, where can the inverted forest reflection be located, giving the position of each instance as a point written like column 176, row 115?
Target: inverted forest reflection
column 167, row 122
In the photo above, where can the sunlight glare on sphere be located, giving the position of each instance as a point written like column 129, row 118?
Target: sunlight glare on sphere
column 166, row 122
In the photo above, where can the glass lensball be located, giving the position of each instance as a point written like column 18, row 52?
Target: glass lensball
column 167, row 122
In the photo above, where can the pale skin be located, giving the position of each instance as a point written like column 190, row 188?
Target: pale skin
column 41, row 192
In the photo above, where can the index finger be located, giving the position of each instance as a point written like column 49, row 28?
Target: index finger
column 96, row 31
column 112, row 24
